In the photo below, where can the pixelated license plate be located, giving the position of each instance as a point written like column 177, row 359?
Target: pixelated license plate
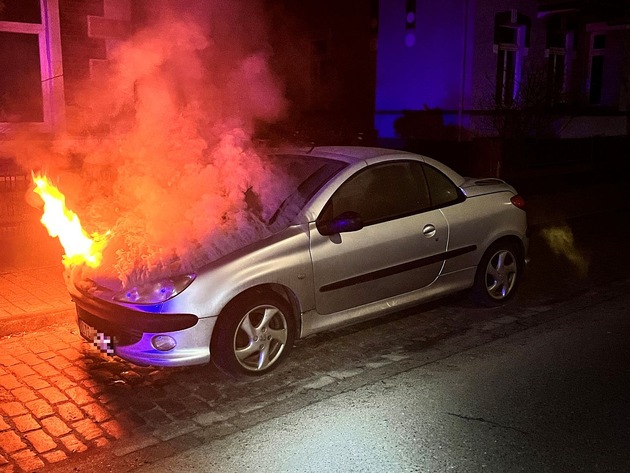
column 101, row 341
column 87, row 331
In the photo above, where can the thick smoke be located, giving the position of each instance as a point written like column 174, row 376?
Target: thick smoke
column 167, row 163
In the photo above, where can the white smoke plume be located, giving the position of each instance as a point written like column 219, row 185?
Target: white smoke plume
column 165, row 150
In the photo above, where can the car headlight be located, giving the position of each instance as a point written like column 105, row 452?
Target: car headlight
column 155, row 292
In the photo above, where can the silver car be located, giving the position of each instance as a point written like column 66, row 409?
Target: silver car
column 365, row 232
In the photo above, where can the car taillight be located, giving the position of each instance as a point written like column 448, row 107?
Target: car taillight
column 518, row 201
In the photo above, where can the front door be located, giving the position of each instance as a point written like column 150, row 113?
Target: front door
column 400, row 248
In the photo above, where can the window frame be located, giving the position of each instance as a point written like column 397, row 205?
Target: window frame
column 596, row 62
column 51, row 69
column 557, row 74
column 507, row 58
column 510, row 55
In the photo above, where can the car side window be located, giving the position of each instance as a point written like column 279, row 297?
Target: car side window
column 381, row 192
column 443, row 191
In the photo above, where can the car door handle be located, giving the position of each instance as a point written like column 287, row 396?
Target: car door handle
column 429, row 231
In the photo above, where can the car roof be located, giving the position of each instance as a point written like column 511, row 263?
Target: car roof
column 368, row 155
column 352, row 154
column 356, row 156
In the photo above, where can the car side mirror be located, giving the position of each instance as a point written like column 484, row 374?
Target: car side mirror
column 346, row 222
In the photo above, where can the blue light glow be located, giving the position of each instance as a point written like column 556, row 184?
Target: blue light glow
column 422, row 68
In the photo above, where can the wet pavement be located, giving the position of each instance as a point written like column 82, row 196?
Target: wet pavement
column 64, row 403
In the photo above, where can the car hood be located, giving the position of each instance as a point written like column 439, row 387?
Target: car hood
column 106, row 286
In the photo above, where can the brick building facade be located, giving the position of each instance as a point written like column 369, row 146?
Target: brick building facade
column 56, row 45
column 48, row 50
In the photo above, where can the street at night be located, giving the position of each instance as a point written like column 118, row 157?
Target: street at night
column 314, row 236
column 553, row 398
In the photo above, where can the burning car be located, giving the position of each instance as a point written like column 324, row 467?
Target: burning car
column 363, row 232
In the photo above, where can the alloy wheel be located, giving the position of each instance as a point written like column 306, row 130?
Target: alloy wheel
column 501, row 274
column 260, row 338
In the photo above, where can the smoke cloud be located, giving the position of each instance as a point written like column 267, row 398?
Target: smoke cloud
column 164, row 160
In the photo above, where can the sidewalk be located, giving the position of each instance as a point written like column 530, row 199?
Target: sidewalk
column 31, row 299
column 32, row 290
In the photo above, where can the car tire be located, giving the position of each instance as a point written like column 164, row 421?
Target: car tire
column 253, row 334
column 498, row 275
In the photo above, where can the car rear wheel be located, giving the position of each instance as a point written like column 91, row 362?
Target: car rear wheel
column 253, row 335
column 498, row 274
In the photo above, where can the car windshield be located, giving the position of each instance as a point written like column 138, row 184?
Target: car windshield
column 302, row 177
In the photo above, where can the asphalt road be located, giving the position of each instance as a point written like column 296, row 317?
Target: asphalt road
column 554, row 398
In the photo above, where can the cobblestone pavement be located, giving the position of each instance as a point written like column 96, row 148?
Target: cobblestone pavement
column 34, row 290
column 31, row 299
column 60, row 397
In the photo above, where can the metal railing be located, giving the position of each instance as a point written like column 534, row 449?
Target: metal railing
column 14, row 183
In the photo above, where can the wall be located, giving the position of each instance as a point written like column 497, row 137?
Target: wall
column 324, row 52
column 90, row 29
column 427, row 71
column 443, row 86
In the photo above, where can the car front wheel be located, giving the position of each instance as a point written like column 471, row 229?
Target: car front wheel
column 498, row 274
column 253, row 335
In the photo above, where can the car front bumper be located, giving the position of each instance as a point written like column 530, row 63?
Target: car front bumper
column 129, row 333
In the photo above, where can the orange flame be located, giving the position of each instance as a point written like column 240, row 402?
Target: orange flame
column 64, row 224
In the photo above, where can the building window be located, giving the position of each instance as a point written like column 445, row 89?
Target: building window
column 21, row 99
column 506, row 66
column 31, row 83
column 559, row 53
column 511, row 39
column 556, row 83
column 596, row 72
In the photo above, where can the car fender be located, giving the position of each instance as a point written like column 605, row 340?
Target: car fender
column 282, row 259
column 471, row 223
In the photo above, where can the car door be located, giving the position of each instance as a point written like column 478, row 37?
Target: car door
column 400, row 247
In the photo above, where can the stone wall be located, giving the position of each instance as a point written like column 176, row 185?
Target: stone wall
column 90, row 30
